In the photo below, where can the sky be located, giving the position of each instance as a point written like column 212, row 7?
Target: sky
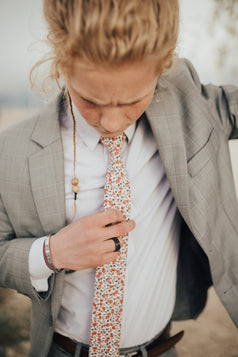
column 22, row 27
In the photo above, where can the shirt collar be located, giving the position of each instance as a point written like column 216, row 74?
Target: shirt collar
column 88, row 134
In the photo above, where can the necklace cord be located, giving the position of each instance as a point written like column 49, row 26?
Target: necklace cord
column 74, row 181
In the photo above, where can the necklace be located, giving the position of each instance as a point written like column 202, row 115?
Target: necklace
column 75, row 180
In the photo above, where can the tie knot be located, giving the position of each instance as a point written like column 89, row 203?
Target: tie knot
column 114, row 144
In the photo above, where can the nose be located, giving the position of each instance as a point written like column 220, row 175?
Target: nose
column 112, row 119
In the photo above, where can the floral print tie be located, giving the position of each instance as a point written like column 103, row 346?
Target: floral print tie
column 109, row 281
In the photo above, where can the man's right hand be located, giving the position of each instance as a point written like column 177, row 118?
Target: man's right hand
column 86, row 242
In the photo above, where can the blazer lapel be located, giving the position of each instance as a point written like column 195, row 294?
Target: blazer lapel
column 163, row 116
column 46, row 167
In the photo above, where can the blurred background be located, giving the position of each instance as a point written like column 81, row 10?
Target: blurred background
column 209, row 38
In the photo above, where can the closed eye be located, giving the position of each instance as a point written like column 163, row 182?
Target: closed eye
column 88, row 101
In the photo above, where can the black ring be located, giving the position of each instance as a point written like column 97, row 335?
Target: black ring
column 117, row 244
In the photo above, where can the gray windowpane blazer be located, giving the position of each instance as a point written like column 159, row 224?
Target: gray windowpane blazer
column 191, row 124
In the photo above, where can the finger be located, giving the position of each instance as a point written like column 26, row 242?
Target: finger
column 110, row 246
column 110, row 216
column 117, row 243
column 98, row 219
column 109, row 258
column 119, row 229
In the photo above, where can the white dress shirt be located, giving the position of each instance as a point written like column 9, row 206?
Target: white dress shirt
column 150, row 285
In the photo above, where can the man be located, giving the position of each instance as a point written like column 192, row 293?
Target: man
column 111, row 55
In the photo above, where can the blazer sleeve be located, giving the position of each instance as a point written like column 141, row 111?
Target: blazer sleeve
column 14, row 258
column 15, row 246
column 223, row 101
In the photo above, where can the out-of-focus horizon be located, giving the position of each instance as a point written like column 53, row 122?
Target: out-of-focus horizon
column 23, row 27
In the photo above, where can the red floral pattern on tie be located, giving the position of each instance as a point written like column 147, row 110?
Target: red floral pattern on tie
column 109, row 281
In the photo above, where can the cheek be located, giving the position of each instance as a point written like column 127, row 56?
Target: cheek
column 90, row 114
column 134, row 112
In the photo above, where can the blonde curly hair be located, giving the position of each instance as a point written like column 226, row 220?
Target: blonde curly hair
column 109, row 32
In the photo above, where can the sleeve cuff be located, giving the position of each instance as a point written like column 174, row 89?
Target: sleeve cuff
column 39, row 272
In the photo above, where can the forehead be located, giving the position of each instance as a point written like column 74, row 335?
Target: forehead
column 125, row 81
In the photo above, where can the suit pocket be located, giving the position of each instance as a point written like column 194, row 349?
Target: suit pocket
column 202, row 156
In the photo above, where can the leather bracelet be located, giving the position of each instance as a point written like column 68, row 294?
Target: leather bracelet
column 47, row 255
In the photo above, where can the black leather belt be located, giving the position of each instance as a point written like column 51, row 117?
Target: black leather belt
column 158, row 346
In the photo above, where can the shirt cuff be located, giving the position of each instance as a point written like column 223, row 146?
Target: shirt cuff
column 39, row 272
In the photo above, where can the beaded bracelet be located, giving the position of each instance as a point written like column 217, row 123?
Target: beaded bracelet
column 47, row 255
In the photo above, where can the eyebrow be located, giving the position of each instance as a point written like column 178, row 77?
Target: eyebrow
column 93, row 101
